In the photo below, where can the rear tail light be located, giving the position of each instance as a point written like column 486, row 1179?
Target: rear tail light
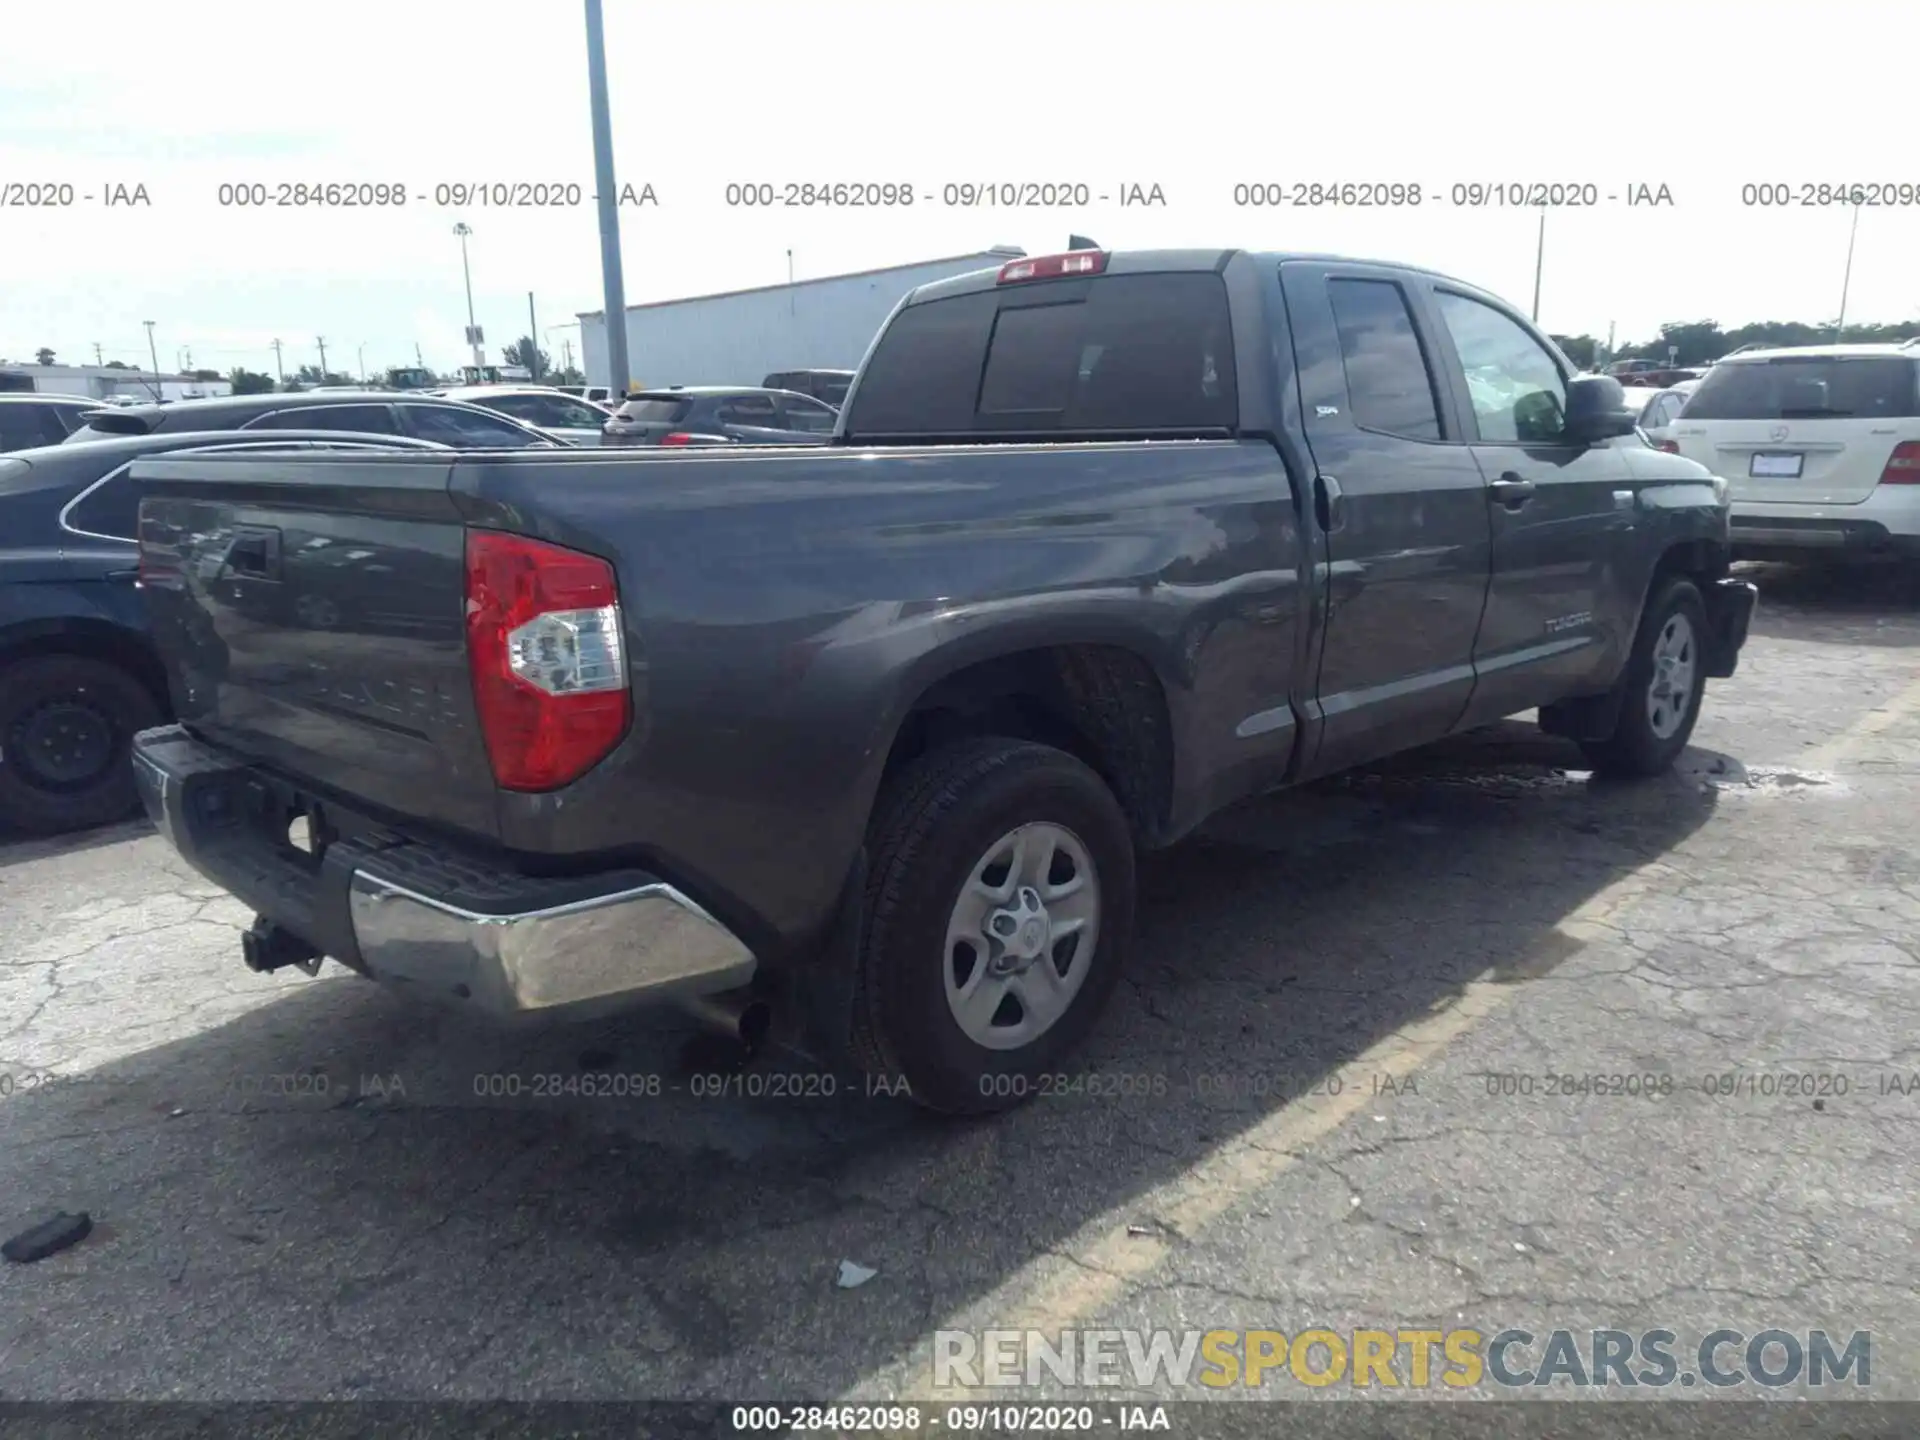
column 1051, row 267
column 1670, row 447
column 548, row 658
column 677, row 437
column 1903, row 466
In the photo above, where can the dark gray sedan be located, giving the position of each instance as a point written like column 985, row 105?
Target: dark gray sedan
column 372, row 412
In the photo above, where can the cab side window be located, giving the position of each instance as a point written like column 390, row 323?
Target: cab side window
column 1388, row 383
column 1517, row 391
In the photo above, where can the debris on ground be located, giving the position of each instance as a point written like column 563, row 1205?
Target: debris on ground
column 49, row 1237
column 852, row 1275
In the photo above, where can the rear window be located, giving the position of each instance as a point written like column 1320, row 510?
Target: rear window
column 1121, row 353
column 1813, row 388
column 656, row 409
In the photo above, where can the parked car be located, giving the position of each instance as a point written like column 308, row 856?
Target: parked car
column 28, row 419
column 596, row 394
column 828, row 385
column 1662, row 408
column 1821, row 445
column 367, row 412
column 78, row 673
column 720, row 415
column 874, row 730
column 552, row 412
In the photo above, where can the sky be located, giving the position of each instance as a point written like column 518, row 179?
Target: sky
column 1196, row 98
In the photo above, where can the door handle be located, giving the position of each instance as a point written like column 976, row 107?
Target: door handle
column 1510, row 490
column 1329, row 503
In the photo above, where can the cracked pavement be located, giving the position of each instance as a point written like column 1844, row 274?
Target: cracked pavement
column 1321, row 1098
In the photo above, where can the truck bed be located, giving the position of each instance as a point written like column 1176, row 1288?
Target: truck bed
column 311, row 613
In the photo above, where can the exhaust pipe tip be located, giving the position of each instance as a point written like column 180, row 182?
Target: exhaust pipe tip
column 735, row 1014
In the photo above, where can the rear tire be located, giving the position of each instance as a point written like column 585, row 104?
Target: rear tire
column 970, row 1022
column 1665, row 681
column 67, row 724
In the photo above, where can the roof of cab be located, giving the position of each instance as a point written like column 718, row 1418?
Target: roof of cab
column 1139, row 262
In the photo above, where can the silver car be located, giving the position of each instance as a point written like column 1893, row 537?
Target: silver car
column 564, row 416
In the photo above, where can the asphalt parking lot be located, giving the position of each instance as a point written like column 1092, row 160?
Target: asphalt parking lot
column 1322, row 1098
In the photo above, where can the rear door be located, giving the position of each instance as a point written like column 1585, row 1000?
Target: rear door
column 360, row 419
column 751, row 419
column 806, row 421
column 1802, row 429
column 465, row 427
column 1559, row 613
column 1402, row 507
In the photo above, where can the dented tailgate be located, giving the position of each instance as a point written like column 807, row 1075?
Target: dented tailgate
column 309, row 611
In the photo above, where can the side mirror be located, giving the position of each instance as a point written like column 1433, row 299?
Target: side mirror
column 1597, row 410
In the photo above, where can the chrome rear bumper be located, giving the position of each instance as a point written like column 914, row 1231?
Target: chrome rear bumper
column 415, row 916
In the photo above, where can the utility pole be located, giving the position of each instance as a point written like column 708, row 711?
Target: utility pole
column 278, row 368
column 1539, row 263
column 321, row 341
column 567, row 345
column 533, row 339
column 615, row 299
column 153, row 355
column 96, row 354
column 189, row 365
column 360, row 354
column 463, row 230
column 1846, row 281
column 418, row 358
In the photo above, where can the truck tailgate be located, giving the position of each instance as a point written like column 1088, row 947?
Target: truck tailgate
column 310, row 614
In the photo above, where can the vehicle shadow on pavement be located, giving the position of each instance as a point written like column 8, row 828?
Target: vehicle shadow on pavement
column 334, row 1195
column 19, row 849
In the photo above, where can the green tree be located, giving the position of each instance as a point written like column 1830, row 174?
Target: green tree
column 207, row 375
column 43, row 356
column 249, row 382
column 524, row 352
column 1582, row 350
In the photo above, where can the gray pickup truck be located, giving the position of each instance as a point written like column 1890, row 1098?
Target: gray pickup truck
column 869, row 735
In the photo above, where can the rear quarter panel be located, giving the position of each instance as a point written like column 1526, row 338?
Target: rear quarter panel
column 786, row 608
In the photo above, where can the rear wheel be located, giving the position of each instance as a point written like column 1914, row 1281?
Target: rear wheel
column 1000, row 897
column 1665, row 682
column 67, row 724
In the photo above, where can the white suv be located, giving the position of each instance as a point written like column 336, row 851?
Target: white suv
column 1820, row 445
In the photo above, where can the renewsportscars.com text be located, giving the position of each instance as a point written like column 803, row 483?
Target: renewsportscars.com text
column 1411, row 1358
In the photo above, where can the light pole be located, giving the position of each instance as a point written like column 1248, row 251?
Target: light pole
column 615, row 299
column 360, row 354
column 1846, row 280
column 1539, row 264
column 153, row 355
column 463, row 230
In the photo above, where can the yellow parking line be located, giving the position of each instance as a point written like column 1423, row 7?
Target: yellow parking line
column 1828, row 754
column 1097, row 1277
column 1074, row 1291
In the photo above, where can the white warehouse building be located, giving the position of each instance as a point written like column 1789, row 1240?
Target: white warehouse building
column 742, row 336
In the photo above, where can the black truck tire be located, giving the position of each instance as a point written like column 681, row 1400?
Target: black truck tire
column 1649, row 736
column 67, row 724
column 933, row 835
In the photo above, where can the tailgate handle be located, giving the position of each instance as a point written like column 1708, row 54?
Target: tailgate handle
column 255, row 552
